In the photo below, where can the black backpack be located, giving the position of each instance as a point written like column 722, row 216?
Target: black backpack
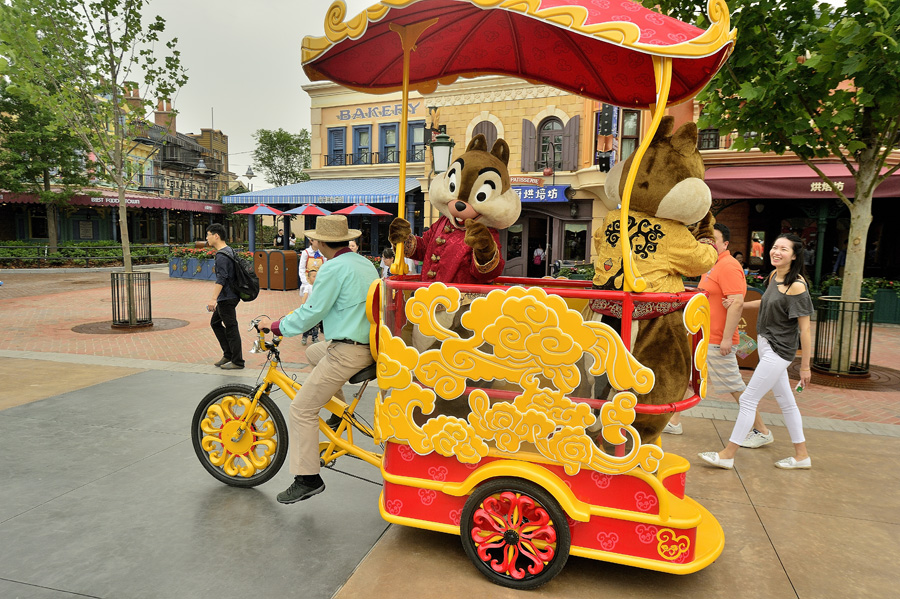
column 245, row 283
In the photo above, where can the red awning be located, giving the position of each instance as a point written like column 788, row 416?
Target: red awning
column 108, row 199
column 788, row 181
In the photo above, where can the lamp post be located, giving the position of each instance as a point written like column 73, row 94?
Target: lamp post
column 441, row 153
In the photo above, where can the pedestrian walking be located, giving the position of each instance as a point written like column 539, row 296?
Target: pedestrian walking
column 726, row 285
column 311, row 252
column 311, row 273
column 224, row 303
column 279, row 239
column 782, row 325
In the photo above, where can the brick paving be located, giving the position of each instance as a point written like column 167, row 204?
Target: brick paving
column 38, row 310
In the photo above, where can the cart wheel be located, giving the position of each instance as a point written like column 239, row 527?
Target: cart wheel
column 257, row 455
column 515, row 533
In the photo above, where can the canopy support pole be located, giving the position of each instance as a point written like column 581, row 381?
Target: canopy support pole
column 409, row 35
column 662, row 69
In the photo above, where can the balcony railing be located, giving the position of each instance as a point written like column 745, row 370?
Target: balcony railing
column 386, row 157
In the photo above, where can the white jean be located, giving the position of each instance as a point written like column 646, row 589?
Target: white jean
column 770, row 374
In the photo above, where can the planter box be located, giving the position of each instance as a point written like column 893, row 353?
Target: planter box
column 192, row 268
column 887, row 305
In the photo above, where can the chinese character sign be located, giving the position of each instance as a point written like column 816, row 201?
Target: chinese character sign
column 548, row 193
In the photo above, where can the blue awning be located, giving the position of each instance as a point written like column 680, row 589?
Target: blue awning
column 329, row 191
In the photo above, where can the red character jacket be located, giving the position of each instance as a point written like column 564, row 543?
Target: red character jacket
column 446, row 257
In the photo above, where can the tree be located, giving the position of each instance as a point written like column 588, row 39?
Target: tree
column 76, row 59
column 282, row 156
column 38, row 156
column 817, row 80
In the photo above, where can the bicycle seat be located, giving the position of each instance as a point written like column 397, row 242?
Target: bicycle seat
column 366, row 374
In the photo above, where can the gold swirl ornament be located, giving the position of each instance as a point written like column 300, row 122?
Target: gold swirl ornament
column 223, row 451
column 696, row 318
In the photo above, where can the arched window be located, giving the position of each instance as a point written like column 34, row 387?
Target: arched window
column 550, row 148
column 489, row 131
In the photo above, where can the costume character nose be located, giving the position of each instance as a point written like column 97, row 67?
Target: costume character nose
column 460, row 206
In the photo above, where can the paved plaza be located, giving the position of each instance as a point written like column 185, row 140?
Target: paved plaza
column 102, row 495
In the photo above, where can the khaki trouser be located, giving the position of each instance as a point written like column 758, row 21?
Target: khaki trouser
column 334, row 364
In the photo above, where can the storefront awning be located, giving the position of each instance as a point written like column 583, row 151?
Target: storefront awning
column 788, row 181
column 109, row 199
column 329, row 191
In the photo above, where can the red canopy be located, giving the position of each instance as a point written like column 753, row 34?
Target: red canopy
column 261, row 209
column 600, row 49
column 362, row 209
column 788, row 181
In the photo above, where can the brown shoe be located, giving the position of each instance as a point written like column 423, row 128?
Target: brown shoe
column 222, row 362
column 231, row 366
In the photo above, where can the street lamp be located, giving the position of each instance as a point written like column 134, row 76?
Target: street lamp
column 441, row 153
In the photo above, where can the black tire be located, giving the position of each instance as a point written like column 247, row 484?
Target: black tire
column 533, row 566
column 214, row 456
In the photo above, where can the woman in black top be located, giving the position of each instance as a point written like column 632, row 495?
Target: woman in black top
column 782, row 327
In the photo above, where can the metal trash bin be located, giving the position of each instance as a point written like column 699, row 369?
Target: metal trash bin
column 840, row 325
column 131, row 306
column 283, row 273
column 261, row 266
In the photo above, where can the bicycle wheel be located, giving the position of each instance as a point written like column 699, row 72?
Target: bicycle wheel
column 257, row 455
column 515, row 533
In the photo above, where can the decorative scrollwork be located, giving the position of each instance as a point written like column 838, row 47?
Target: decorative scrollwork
column 255, row 448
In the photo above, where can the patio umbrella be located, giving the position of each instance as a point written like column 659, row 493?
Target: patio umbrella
column 614, row 51
column 308, row 210
column 258, row 209
column 362, row 209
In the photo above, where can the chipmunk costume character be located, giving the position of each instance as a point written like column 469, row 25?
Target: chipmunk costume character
column 669, row 195
column 475, row 199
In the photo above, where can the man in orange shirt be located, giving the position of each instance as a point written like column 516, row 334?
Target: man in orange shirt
column 725, row 282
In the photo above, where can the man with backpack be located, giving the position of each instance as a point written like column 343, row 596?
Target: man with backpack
column 224, row 304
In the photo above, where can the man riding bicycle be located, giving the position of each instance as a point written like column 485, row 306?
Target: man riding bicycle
column 338, row 300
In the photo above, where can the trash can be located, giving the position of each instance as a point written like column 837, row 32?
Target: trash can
column 283, row 274
column 261, row 266
column 843, row 336
column 131, row 300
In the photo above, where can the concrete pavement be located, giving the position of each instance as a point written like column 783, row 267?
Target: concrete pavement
column 103, row 497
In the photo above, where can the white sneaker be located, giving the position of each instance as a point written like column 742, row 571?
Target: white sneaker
column 673, row 429
column 792, row 463
column 757, row 439
column 712, row 457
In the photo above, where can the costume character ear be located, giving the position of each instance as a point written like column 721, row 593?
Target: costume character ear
column 479, row 142
column 685, row 139
column 501, row 151
column 665, row 129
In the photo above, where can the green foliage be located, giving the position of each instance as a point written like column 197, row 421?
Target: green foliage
column 73, row 253
column 282, row 156
column 584, row 272
column 755, row 280
column 78, row 61
column 869, row 285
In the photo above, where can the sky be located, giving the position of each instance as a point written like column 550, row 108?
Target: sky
column 243, row 64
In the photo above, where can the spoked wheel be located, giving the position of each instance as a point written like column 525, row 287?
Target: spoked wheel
column 515, row 533
column 240, row 461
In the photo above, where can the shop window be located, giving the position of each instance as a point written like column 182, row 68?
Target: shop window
column 390, row 149
column 575, row 236
column 708, row 139
column 415, row 152
column 362, row 144
column 514, row 241
column 336, row 146
column 489, row 131
column 631, row 121
column 550, row 144
column 37, row 223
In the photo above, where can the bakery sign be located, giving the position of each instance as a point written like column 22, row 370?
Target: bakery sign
column 547, row 193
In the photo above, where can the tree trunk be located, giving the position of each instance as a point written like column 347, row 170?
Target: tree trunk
column 52, row 216
column 842, row 350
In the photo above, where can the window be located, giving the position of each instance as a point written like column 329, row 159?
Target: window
column 336, row 146
column 416, row 142
column 489, row 131
column 550, row 136
column 709, row 139
column 362, row 144
column 37, row 222
column 575, row 236
column 390, row 150
column 631, row 120
column 514, row 241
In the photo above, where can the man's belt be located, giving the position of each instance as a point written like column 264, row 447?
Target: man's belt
column 348, row 342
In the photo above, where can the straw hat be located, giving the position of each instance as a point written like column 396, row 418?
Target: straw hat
column 332, row 228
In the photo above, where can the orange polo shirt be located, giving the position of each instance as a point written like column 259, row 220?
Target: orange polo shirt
column 724, row 279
